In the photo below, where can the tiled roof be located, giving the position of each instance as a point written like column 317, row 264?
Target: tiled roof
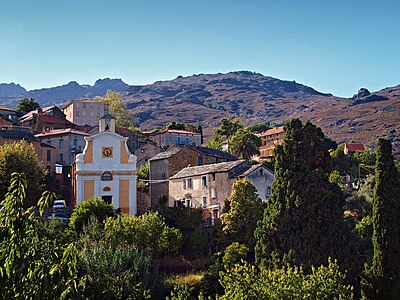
column 17, row 135
column 2, row 107
column 168, row 153
column 172, row 131
column 355, row 147
column 273, row 131
column 253, row 168
column 60, row 131
column 55, row 120
column 211, row 168
column 213, row 152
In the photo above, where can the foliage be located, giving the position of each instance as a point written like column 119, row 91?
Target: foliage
column 244, row 281
column 366, row 158
column 335, row 177
column 26, row 105
column 121, row 272
column 303, row 222
column 258, row 128
column 245, row 209
column 358, row 204
column 86, row 209
column 345, row 164
column 244, row 144
column 21, row 157
column 148, row 232
column 225, row 131
column 234, row 253
column 144, row 171
column 57, row 231
column 32, row 267
column 183, row 126
column 384, row 275
column 117, row 108
column 364, row 228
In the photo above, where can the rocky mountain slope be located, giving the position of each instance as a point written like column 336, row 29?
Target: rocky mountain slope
column 206, row 98
column 11, row 93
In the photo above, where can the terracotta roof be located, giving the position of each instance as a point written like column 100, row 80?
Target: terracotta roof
column 2, row 107
column 213, row 168
column 355, row 147
column 172, row 131
column 51, row 119
column 61, row 131
column 273, row 131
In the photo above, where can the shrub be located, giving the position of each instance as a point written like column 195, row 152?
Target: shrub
column 93, row 207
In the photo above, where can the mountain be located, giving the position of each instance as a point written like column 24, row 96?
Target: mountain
column 206, row 98
column 10, row 94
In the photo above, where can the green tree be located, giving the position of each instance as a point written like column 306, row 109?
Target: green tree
column 303, row 222
column 144, row 171
column 32, row 267
column 94, row 207
column 21, row 157
column 244, row 144
column 117, row 108
column 385, row 270
column 245, row 209
column 148, row 232
column 258, row 128
column 244, row 282
column 26, row 105
column 225, row 131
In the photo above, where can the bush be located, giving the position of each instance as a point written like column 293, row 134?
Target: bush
column 244, row 281
column 118, row 272
column 93, row 207
column 148, row 232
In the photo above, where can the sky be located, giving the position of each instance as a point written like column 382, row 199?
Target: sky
column 334, row 46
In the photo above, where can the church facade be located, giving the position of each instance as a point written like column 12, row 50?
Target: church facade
column 106, row 169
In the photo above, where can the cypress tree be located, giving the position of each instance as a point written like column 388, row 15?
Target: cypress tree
column 385, row 272
column 303, row 221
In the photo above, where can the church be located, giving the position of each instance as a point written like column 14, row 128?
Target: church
column 106, row 169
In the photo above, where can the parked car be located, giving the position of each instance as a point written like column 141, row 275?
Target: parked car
column 58, row 216
column 59, row 203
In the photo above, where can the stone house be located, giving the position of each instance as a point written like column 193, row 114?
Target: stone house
column 351, row 148
column 9, row 114
column 269, row 140
column 168, row 137
column 208, row 186
column 174, row 159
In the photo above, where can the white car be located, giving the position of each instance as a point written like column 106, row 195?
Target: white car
column 57, row 216
column 59, row 203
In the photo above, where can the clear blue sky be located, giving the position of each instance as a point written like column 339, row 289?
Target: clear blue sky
column 333, row 46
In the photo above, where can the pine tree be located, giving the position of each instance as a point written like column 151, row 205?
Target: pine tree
column 385, row 272
column 303, row 222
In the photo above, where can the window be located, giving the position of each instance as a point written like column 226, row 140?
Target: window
column 184, row 184
column 204, row 202
column 107, row 199
column 60, row 143
column 213, row 176
column 188, row 203
column 204, row 181
column 83, row 105
column 189, row 183
column 213, row 193
column 75, row 142
column 177, row 203
column 49, row 142
column 48, row 155
column 178, row 140
column 200, row 161
column 268, row 192
column 163, row 176
column 106, row 176
column 187, row 141
column 61, row 156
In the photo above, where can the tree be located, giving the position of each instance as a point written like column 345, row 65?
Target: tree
column 26, row 105
column 32, row 267
column 244, row 144
column 21, row 157
column 303, row 222
column 225, row 131
column 245, row 210
column 258, row 128
column 117, row 108
column 96, row 207
column 385, row 270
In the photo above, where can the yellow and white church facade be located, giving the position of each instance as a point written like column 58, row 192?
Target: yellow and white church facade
column 106, row 169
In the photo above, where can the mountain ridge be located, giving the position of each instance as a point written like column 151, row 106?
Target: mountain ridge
column 206, row 98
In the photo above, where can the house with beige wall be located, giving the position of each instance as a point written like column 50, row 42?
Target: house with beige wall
column 84, row 111
column 208, row 186
column 168, row 137
column 269, row 140
column 106, row 169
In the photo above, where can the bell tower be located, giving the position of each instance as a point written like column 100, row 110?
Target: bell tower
column 107, row 123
